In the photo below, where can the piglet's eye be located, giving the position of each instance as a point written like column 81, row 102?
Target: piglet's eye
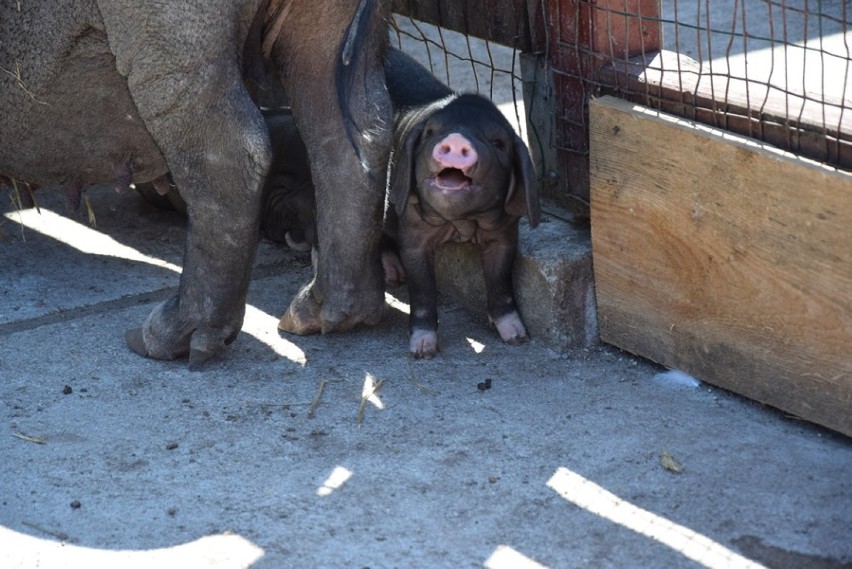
column 499, row 143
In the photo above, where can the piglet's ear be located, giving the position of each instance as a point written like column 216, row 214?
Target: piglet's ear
column 522, row 198
column 401, row 183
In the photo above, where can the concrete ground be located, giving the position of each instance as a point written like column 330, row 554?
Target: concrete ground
column 488, row 455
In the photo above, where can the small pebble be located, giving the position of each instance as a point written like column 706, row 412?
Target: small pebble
column 171, row 446
column 75, row 505
column 67, row 390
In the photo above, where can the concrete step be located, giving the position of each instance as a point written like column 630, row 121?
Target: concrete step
column 554, row 284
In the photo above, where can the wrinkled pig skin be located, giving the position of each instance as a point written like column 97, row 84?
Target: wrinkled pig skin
column 94, row 90
column 459, row 173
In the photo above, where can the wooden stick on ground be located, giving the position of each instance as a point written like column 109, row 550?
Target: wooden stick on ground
column 366, row 397
column 29, row 439
column 316, row 399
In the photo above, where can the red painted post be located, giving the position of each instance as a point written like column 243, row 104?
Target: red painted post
column 585, row 35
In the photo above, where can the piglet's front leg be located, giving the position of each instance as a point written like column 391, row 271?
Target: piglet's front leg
column 419, row 264
column 497, row 258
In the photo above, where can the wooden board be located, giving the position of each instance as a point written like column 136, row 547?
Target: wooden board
column 502, row 21
column 723, row 258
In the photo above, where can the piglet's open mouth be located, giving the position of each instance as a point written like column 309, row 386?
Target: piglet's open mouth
column 452, row 179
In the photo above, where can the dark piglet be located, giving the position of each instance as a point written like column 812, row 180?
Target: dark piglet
column 289, row 204
column 458, row 172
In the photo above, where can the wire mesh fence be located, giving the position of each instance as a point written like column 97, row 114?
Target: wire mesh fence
column 779, row 71
column 466, row 63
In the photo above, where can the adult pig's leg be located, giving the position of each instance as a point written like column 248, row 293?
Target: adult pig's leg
column 334, row 78
column 217, row 148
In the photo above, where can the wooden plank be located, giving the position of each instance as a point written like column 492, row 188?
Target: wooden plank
column 501, row 21
column 724, row 258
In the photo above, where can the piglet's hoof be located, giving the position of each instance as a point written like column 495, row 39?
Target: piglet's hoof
column 423, row 344
column 511, row 329
column 134, row 340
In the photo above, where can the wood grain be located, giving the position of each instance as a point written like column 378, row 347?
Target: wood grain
column 723, row 258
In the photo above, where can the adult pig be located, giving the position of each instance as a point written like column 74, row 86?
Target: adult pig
column 97, row 90
column 458, row 172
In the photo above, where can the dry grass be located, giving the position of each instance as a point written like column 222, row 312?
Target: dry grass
column 669, row 463
column 30, row 439
column 316, row 400
column 366, row 397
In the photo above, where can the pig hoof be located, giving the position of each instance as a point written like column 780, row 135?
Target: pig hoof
column 291, row 322
column 423, row 344
column 337, row 313
column 206, row 343
column 297, row 242
column 134, row 340
column 302, row 317
column 197, row 358
column 345, row 312
column 511, row 329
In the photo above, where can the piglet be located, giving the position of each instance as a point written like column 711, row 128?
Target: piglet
column 289, row 200
column 458, row 172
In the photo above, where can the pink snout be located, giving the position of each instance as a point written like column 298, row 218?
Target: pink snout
column 455, row 151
